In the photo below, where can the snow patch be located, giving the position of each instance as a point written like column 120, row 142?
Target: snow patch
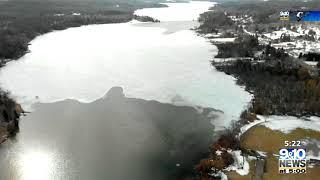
column 223, row 40
column 212, row 35
column 224, row 59
column 262, row 153
column 246, row 127
column 297, row 45
column 221, row 175
column 277, row 34
column 218, row 153
column 311, row 63
column 58, row 15
column 247, row 32
column 240, row 165
column 286, row 124
column 313, row 157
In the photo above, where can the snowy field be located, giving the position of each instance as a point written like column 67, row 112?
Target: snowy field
column 296, row 44
column 285, row 124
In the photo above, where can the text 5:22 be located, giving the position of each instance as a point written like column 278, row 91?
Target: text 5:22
column 292, row 143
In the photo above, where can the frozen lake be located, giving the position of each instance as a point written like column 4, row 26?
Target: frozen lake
column 111, row 139
column 143, row 58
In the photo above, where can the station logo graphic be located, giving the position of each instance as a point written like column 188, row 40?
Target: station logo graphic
column 292, row 160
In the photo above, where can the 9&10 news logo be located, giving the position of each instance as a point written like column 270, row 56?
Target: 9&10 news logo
column 292, row 160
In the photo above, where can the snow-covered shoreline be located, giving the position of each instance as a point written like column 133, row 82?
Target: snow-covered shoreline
column 285, row 124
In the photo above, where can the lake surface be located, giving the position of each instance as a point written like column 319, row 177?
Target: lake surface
column 111, row 138
column 157, row 61
column 163, row 61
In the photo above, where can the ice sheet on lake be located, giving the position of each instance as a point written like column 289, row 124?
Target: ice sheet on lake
column 83, row 63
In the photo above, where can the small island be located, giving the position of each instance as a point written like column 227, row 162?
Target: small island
column 145, row 19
